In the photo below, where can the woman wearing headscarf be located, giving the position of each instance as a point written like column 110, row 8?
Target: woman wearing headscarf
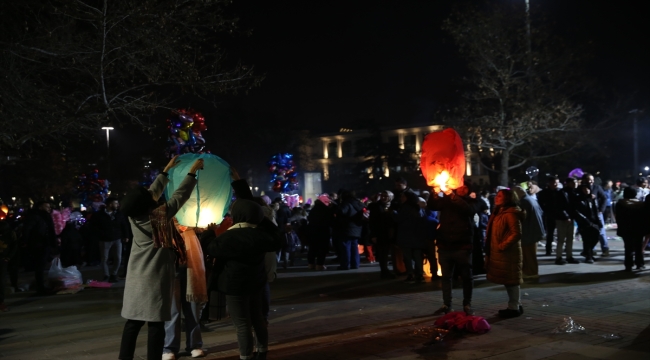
column 382, row 231
column 503, row 260
column 239, row 273
column 157, row 248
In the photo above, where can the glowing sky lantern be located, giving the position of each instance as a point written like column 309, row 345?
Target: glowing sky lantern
column 212, row 195
column 443, row 159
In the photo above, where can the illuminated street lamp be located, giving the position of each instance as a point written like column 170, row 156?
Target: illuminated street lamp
column 108, row 153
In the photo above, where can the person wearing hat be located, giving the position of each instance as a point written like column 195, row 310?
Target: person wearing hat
column 157, row 248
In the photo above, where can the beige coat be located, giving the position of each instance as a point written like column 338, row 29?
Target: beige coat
column 503, row 261
column 151, row 271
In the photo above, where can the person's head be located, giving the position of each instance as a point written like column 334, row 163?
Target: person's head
column 112, row 204
column 138, row 202
column 505, row 198
column 521, row 193
column 642, row 183
column 266, row 199
column 334, row 196
column 462, row 191
column 629, row 193
column 570, row 183
column 298, row 211
column 324, row 198
column 425, row 195
column 246, row 211
column 552, row 182
column 587, row 179
column 400, row 183
column 409, row 198
column 386, row 196
column 43, row 206
column 485, row 193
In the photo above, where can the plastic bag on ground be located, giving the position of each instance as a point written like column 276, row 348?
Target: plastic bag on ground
column 568, row 327
column 61, row 278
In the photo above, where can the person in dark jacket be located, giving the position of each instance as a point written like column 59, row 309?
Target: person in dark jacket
column 283, row 214
column 112, row 229
column 239, row 273
column 71, row 244
column 585, row 212
column 455, row 237
column 349, row 226
column 319, row 231
column 411, row 235
column 601, row 202
column 564, row 199
column 631, row 221
column 39, row 236
column 382, row 231
column 548, row 201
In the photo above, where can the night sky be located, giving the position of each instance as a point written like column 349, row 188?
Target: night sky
column 330, row 65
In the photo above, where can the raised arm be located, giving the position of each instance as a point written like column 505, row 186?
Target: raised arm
column 158, row 186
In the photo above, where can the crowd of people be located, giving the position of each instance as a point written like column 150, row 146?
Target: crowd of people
column 447, row 234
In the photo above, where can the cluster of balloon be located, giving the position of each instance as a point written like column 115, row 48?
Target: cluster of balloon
column 92, row 189
column 532, row 172
column 185, row 126
column 283, row 173
column 576, row 173
column 148, row 177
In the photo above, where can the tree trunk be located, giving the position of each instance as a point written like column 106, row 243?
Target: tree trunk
column 505, row 163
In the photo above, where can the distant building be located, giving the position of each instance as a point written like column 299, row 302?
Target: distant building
column 336, row 154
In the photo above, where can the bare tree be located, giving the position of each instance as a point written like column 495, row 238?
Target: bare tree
column 70, row 66
column 521, row 102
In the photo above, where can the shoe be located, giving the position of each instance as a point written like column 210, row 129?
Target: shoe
column 572, row 261
column 321, row 267
column 169, row 356
column 443, row 310
column 197, row 353
column 311, row 266
column 106, row 278
column 112, row 279
column 560, row 261
column 410, row 279
column 589, row 261
column 509, row 313
column 628, row 269
column 605, row 253
column 3, row 307
column 468, row 310
column 642, row 267
column 387, row 275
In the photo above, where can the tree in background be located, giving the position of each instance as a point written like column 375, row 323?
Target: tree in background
column 68, row 67
column 521, row 99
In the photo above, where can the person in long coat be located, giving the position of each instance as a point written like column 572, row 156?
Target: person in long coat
column 157, row 247
column 532, row 231
column 504, row 257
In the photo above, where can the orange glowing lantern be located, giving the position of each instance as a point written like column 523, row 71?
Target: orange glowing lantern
column 443, row 159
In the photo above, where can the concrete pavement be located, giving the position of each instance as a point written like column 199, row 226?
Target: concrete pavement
column 355, row 315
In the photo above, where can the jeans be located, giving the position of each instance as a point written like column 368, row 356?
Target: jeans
column 564, row 237
column 246, row 312
column 448, row 260
column 155, row 341
column 514, row 296
column 114, row 247
column 603, row 235
column 411, row 255
column 191, row 311
column 349, row 253
column 633, row 251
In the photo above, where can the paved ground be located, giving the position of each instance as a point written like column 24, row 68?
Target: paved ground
column 354, row 315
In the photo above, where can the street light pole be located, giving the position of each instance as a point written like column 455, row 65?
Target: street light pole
column 108, row 148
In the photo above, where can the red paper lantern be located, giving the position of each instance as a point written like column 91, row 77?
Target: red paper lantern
column 443, row 159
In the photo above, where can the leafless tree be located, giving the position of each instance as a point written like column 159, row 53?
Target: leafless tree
column 521, row 103
column 70, row 66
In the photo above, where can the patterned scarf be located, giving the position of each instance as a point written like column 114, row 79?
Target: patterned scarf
column 165, row 235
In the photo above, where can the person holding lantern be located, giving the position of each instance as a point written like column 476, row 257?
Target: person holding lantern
column 157, row 247
column 504, row 257
column 454, row 240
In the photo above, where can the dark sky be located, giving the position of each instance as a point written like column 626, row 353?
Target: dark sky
column 329, row 64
